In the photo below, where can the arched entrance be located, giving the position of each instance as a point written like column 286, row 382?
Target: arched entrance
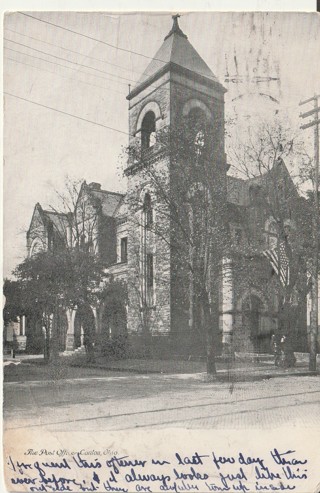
column 114, row 319
column 114, row 327
column 255, row 326
column 62, row 326
column 84, row 324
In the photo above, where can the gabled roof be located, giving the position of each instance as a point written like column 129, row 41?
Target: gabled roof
column 176, row 50
column 59, row 221
column 122, row 209
column 109, row 201
column 238, row 188
column 36, row 211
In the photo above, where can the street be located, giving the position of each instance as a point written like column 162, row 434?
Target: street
column 97, row 399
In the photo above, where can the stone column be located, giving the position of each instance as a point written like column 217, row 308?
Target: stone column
column 23, row 325
column 96, row 319
column 81, row 337
column 71, row 313
column 101, row 309
column 227, row 304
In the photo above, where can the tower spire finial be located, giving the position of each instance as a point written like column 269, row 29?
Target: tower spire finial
column 176, row 28
column 175, row 21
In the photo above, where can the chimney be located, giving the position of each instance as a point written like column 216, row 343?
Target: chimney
column 94, row 186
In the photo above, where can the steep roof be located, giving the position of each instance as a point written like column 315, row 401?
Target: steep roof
column 177, row 50
column 122, row 209
column 59, row 220
column 109, row 201
column 238, row 188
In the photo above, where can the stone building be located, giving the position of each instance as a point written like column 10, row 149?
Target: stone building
column 121, row 228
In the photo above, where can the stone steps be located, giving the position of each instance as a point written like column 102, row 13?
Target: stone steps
column 79, row 350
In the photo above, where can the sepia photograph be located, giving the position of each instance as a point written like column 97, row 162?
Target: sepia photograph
column 161, row 250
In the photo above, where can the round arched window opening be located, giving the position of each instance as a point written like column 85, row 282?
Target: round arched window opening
column 37, row 247
column 148, row 130
column 197, row 123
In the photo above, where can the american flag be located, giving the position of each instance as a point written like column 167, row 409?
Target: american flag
column 280, row 263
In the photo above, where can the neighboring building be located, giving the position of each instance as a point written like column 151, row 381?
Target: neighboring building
column 176, row 83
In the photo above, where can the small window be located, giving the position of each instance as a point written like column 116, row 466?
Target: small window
column 255, row 194
column 149, row 282
column 148, row 130
column 272, row 235
column 149, row 270
column 199, row 142
column 238, row 236
column 124, row 249
column 148, row 211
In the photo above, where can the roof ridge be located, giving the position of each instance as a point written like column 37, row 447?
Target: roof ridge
column 108, row 191
column 47, row 211
column 119, row 205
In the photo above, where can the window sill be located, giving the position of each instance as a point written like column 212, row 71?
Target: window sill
column 148, row 307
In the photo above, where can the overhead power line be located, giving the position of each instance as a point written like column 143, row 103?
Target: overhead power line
column 65, row 76
column 92, row 38
column 65, row 113
column 73, row 51
column 64, row 66
column 132, row 52
column 69, row 61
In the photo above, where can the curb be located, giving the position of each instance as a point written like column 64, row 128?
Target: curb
column 220, row 375
column 249, row 377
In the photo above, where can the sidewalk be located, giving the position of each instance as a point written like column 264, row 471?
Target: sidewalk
column 240, row 369
column 245, row 367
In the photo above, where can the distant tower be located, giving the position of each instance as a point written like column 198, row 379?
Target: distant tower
column 176, row 82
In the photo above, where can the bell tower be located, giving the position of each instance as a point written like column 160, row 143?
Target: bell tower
column 176, row 83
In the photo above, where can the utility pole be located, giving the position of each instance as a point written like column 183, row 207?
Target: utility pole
column 315, row 267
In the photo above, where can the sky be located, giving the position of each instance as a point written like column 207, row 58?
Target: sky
column 75, row 73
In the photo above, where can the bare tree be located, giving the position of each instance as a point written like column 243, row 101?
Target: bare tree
column 262, row 160
column 65, row 272
column 77, row 215
column 189, row 196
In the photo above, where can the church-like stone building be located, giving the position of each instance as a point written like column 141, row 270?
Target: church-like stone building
column 176, row 84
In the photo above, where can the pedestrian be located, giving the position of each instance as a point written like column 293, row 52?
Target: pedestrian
column 275, row 349
column 87, row 342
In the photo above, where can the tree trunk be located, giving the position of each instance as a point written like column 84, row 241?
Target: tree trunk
column 54, row 349
column 286, row 330
column 45, row 324
column 146, row 331
column 208, row 329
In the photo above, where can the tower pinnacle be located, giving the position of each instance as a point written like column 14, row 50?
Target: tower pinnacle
column 176, row 28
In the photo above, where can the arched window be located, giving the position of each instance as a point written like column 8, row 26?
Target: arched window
column 197, row 120
column 255, row 194
column 199, row 142
column 148, row 213
column 252, row 309
column 37, row 246
column 148, row 257
column 197, row 125
column 148, row 130
column 272, row 234
column 289, row 229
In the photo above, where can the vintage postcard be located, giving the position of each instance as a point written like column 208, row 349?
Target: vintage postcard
column 161, row 251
